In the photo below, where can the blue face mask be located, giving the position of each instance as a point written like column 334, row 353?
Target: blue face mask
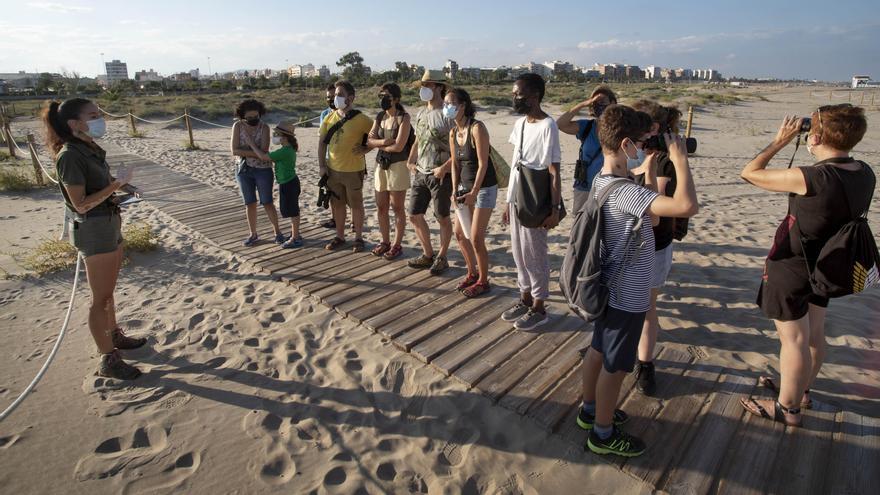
column 449, row 111
column 97, row 128
column 632, row 163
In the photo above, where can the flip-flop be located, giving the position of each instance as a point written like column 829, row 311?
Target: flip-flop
column 752, row 406
column 768, row 383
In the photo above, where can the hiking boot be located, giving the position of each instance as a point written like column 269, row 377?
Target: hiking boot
column 531, row 320
column 122, row 341
column 422, row 262
column 585, row 420
column 645, row 381
column 112, row 366
column 516, row 312
column 440, row 265
column 619, row 443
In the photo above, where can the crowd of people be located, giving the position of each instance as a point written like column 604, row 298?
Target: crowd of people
column 442, row 157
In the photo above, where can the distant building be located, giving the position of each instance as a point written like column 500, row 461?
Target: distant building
column 451, row 69
column 147, row 76
column 324, row 72
column 472, row 73
column 557, row 67
column 194, row 74
column 857, row 81
column 633, row 72
column 116, row 71
column 182, row 77
column 652, row 72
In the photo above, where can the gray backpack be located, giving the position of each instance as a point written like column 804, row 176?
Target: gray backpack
column 580, row 277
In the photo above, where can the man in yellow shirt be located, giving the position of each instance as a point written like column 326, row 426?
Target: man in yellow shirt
column 344, row 165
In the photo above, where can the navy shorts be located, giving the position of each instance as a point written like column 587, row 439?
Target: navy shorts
column 255, row 180
column 616, row 336
column 288, row 201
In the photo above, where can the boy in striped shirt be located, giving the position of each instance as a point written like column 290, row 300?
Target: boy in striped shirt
column 627, row 266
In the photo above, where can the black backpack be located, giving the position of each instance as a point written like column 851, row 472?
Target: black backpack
column 580, row 277
column 848, row 262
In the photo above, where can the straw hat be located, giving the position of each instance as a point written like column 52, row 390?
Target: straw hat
column 433, row 76
column 287, row 128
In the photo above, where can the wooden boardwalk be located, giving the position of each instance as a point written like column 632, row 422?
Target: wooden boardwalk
column 699, row 439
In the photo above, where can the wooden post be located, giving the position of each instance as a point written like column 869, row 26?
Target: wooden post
column 134, row 130
column 687, row 132
column 849, row 96
column 2, row 125
column 830, row 95
column 862, row 99
column 9, row 143
column 38, row 173
column 189, row 129
column 872, row 98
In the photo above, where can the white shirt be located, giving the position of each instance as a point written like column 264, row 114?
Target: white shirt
column 540, row 148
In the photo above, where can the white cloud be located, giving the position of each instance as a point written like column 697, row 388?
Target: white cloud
column 59, row 7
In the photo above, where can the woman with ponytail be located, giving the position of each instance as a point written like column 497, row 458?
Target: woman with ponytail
column 88, row 188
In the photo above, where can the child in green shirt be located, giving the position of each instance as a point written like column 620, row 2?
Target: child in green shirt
column 285, row 174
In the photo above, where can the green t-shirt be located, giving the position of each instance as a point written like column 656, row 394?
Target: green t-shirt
column 285, row 163
column 79, row 164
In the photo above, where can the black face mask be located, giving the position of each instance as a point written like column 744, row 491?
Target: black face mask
column 520, row 106
column 385, row 103
column 252, row 121
column 330, row 103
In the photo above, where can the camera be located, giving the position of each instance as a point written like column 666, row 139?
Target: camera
column 658, row 143
column 324, row 193
column 806, row 123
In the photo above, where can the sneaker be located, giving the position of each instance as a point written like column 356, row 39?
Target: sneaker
column 645, row 381
column 112, row 366
column 280, row 238
column 293, row 242
column 619, row 443
column 531, row 320
column 122, row 341
column 421, row 262
column 440, row 265
column 250, row 241
column 585, row 420
column 516, row 312
column 329, row 224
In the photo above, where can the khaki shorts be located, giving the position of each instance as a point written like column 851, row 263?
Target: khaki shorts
column 348, row 187
column 396, row 178
column 97, row 234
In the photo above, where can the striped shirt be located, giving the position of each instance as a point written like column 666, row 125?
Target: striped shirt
column 629, row 290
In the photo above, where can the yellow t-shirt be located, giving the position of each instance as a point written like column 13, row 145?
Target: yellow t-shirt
column 351, row 134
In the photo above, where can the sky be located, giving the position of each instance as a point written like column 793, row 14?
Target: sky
column 806, row 39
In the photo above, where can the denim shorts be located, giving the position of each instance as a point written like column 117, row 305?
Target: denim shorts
column 255, row 180
column 487, row 197
column 616, row 336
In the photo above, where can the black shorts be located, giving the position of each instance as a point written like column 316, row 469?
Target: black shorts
column 426, row 188
column 289, row 198
column 616, row 336
column 785, row 293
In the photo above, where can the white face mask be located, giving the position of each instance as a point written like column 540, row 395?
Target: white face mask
column 276, row 139
column 449, row 111
column 426, row 94
column 632, row 163
column 339, row 102
column 97, row 128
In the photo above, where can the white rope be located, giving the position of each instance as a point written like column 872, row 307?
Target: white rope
column 55, row 348
column 110, row 114
column 158, row 122
column 23, row 152
column 45, row 171
column 210, row 123
column 310, row 120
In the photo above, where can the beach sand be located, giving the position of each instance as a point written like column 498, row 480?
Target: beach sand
column 255, row 388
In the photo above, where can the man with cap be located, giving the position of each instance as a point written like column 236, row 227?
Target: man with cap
column 430, row 163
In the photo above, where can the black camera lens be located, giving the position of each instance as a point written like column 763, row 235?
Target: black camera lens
column 806, row 123
column 658, row 143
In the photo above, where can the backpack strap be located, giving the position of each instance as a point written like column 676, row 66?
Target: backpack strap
column 586, row 135
column 330, row 132
column 610, row 188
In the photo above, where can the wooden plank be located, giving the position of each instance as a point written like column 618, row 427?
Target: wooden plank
column 440, row 304
column 803, row 450
column 555, row 406
column 202, row 206
column 665, row 436
column 414, row 288
column 351, row 279
column 483, row 364
column 439, row 342
column 696, row 471
column 554, row 335
column 341, row 276
column 456, row 356
column 855, row 456
column 313, row 263
column 546, row 375
column 394, row 285
column 430, row 291
column 309, row 256
column 749, row 463
column 459, row 308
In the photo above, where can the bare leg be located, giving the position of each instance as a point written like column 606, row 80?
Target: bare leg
column 650, row 328
column 272, row 213
column 119, row 256
column 383, row 202
column 467, row 250
column 102, row 270
column 445, row 234
column 357, row 216
column 590, row 369
column 479, row 224
column 817, row 341
column 251, row 212
column 398, row 202
column 423, row 233
column 795, row 361
column 338, row 208
column 294, row 227
column 607, row 391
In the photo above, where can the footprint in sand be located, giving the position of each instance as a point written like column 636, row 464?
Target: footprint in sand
column 353, row 363
column 195, row 320
column 335, row 477
column 456, row 449
column 113, row 455
column 278, row 469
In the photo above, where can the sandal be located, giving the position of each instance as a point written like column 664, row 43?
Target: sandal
column 395, row 251
column 768, row 383
column 335, row 243
column 467, row 282
column 381, row 248
column 752, row 406
column 476, row 289
column 358, row 246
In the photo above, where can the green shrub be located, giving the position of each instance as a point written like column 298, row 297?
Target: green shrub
column 12, row 179
column 50, row 256
column 139, row 238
